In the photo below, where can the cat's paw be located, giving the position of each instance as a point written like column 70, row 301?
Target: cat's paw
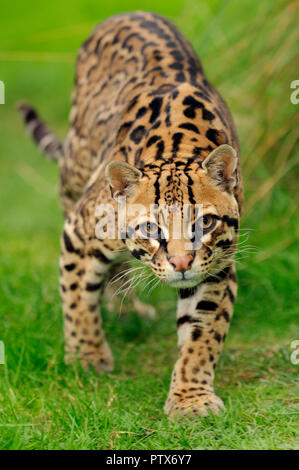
column 181, row 406
column 99, row 358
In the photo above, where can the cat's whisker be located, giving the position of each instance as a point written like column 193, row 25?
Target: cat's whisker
column 135, row 282
column 155, row 284
column 122, row 274
column 130, row 283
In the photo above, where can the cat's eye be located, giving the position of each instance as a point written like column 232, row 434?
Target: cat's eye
column 206, row 223
column 207, row 220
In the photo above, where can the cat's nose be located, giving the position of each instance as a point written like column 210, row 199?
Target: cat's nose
column 181, row 263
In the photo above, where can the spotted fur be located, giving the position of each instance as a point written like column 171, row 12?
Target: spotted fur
column 144, row 114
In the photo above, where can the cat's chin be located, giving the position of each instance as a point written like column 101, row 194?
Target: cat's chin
column 184, row 283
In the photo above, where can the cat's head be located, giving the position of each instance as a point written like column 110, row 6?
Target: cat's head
column 181, row 217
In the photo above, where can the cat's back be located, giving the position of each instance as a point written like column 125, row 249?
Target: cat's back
column 134, row 72
column 125, row 56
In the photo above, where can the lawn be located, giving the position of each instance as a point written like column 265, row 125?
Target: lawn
column 248, row 50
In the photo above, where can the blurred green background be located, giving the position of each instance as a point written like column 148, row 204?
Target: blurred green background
column 249, row 51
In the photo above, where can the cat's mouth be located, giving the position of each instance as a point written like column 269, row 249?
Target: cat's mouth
column 184, row 279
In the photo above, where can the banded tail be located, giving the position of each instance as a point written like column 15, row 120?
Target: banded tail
column 46, row 140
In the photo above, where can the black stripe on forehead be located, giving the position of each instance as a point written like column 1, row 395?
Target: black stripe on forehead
column 190, row 191
column 157, row 188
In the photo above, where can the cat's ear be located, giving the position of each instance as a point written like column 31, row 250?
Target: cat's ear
column 123, row 178
column 220, row 165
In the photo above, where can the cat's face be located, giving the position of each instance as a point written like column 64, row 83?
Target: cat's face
column 183, row 224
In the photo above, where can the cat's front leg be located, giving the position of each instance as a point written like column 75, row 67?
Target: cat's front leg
column 203, row 319
column 84, row 265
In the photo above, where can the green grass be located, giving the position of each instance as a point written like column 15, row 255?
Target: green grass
column 43, row 403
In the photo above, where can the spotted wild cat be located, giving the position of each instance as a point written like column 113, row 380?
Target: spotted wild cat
column 146, row 125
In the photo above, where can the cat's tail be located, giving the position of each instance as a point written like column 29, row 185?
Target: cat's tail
column 46, row 140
